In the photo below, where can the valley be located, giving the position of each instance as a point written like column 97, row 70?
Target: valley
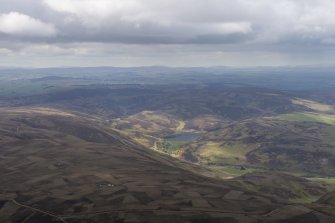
column 87, row 151
column 142, row 111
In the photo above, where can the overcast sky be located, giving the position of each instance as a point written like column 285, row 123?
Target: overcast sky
column 44, row 33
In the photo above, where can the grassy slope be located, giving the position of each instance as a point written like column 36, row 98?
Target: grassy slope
column 292, row 188
column 316, row 106
column 272, row 144
column 82, row 169
column 308, row 117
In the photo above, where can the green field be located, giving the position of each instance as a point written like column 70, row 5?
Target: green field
column 308, row 117
column 313, row 105
column 26, row 87
column 328, row 180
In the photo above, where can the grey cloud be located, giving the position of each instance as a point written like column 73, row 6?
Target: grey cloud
column 127, row 22
column 185, row 21
column 274, row 29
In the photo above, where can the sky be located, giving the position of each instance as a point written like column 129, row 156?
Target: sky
column 51, row 33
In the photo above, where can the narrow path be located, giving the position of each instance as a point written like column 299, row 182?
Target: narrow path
column 141, row 210
column 62, row 218
column 38, row 210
